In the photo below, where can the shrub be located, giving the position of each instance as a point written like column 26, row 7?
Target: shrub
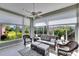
column 27, row 35
column 59, row 32
column 19, row 34
column 11, row 35
column 3, row 37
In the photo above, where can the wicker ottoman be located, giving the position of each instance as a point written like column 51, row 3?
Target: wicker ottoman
column 40, row 48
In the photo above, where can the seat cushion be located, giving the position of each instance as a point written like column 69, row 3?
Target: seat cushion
column 43, row 46
column 35, row 43
column 47, row 42
column 65, row 48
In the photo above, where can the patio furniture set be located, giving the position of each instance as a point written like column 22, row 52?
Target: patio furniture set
column 43, row 45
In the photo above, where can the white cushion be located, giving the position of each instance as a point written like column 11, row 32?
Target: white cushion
column 65, row 48
column 53, row 40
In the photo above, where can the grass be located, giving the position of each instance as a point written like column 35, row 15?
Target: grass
column 6, row 41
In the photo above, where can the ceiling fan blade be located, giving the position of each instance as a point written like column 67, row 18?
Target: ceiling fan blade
column 27, row 11
column 39, row 12
column 38, row 16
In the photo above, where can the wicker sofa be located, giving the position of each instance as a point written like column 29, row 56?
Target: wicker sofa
column 42, row 46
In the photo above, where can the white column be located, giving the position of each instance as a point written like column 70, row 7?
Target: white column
column 77, row 33
column 22, row 27
column 53, row 31
column 16, row 32
column 66, row 35
column 77, row 26
column 78, row 23
column 47, row 27
column 31, row 29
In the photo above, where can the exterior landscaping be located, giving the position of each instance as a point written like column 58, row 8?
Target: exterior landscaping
column 12, row 33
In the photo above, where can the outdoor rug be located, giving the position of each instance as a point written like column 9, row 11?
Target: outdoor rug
column 28, row 52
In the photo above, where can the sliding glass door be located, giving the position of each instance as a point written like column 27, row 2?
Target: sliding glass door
column 65, row 31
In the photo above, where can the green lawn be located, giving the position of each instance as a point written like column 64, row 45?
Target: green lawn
column 5, row 41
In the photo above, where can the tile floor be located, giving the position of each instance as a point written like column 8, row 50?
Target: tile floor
column 13, row 50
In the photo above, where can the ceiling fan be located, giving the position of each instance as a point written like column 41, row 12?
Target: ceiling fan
column 33, row 14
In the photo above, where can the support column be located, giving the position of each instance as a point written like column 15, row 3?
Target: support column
column 66, row 35
column 78, row 23
column 31, row 29
column 77, row 26
column 16, row 32
column 47, row 27
column 76, row 33
column 23, row 27
column 53, row 31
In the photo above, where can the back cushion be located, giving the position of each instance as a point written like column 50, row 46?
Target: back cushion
column 72, row 45
column 47, row 37
column 43, row 37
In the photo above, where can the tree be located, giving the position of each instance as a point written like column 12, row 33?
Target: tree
column 59, row 32
column 62, row 30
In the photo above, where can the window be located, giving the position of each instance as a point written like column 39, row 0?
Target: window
column 8, row 32
column 19, row 31
column 68, row 31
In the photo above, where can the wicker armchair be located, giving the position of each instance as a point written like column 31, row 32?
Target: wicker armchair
column 67, row 49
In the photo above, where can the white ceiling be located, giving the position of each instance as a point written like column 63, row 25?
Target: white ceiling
column 18, row 7
column 43, row 7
